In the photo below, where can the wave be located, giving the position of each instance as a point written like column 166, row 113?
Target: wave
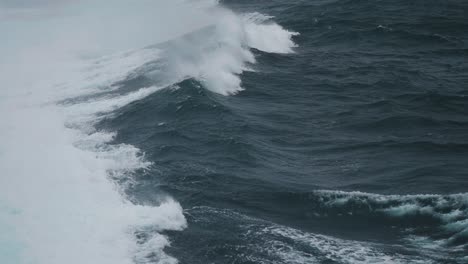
column 445, row 215
column 434, row 226
column 216, row 55
column 433, row 229
column 59, row 173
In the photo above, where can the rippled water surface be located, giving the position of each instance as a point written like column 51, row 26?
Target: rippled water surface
column 287, row 132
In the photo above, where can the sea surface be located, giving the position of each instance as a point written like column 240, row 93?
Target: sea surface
column 318, row 131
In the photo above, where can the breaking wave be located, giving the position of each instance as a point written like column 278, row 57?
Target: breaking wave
column 60, row 200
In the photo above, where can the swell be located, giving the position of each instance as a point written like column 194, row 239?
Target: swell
column 439, row 218
column 73, row 191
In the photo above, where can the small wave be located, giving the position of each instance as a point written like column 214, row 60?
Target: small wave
column 447, row 213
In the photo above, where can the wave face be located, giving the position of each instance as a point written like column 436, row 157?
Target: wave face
column 202, row 131
column 64, row 185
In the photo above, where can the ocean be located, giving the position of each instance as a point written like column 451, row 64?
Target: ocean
column 261, row 131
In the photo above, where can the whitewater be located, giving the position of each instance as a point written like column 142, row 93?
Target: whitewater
column 198, row 131
column 62, row 180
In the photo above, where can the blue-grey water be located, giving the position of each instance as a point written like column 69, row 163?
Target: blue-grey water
column 351, row 147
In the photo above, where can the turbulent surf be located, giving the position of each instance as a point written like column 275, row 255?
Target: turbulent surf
column 176, row 131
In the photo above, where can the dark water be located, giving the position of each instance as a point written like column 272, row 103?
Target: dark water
column 324, row 157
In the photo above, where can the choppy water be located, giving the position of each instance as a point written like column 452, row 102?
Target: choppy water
column 248, row 132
